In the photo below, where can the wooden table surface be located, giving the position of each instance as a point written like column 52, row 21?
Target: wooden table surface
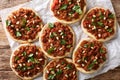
column 5, row 52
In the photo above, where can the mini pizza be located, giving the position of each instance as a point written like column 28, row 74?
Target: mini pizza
column 89, row 56
column 23, row 25
column 100, row 24
column 28, row 61
column 60, row 69
column 68, row 11
column 57, row 40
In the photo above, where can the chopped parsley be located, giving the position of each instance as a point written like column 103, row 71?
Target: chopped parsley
column 18, row 34
column 27, row 28
column 51, row 76
column 100, row 23
column 59, row 72
column 68, row 46
column 50, row 25
column 69, row 66
column 24, row 53
column 109, row 30
column 63, row 7
column 63, row 42
column 16, row 58
column 92, row 64
column 85, row 46
column 53, row 34
column 24, row 21
column 8, row 22
column 111, row 15
column 50, row 50
column 101, row 50
column 77, row 9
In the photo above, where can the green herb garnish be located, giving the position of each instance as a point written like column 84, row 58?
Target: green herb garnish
column 92, row 45
column 77, row 9
column 100, row 23
column 101, row 50
column 51, row 76
column 31, row 59
column 27, row 28
column 63, row 63
column 18, row 34
column 53, row 34
column 101, row 15
column 92, row 64
column 63, row 7
column 70, row 13
column 50, row 50
column 8, row 22
column 50, row 25
column 85, row 46
column 93, row 24
column 59, row 72
column 111, row 15
column 16, row 58
column 68, row 46
column 36, row 61
column 24, row 53
column 24, row 68
column 109, row 30
column 24, row 21
column 69, row 66
column 63, row 42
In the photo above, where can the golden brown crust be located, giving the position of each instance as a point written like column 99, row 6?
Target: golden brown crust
column 22, row 41
column 91, row 35
column 25, row 78
column 67, row 53
column 45, row 69
column 73, row 21
column 77, row 66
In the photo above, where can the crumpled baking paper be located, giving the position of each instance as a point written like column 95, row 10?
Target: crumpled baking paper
column 42, row 7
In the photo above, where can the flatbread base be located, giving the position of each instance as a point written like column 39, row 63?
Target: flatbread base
column 91, row 35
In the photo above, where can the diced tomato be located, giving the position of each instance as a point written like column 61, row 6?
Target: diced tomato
column 54, row 3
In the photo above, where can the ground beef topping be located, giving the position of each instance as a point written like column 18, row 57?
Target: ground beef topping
column 57, row 39
column 28, row 61
column 61, row 70
column 100, row 23
column 90, row 55
column 24, row 24
column 68, row 10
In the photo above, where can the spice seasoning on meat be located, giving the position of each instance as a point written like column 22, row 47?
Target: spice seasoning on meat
column 57, row 39
column 68, row 10
column 100, row 23
column 24, row 24
column 90, row 55
column 61, row 70
column 28, row 61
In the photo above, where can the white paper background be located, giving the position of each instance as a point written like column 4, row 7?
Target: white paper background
column 42, row 7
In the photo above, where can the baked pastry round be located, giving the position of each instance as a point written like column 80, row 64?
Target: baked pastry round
column 27, row 61
column 60, row 69
column 100, row 24
column 24, row 25
column 57, row 40
column 68, row 11
column 89, row 55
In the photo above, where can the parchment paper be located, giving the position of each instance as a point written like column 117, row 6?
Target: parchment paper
column 42, row 7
